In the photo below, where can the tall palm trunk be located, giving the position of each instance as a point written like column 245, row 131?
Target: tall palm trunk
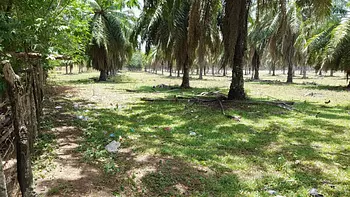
column 170, row 63
column 236, row 17
column 256, row 65
column 304, row 72
column 273, row 69
column 186, row 74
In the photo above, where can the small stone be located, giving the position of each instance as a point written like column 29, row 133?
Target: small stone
column 271, row 192
column 313, row 192
column 113, row 146
column 193, row 133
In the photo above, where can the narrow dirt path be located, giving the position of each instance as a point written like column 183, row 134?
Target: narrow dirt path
column 70, row 175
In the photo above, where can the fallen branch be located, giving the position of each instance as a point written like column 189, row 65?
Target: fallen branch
column 211, row 99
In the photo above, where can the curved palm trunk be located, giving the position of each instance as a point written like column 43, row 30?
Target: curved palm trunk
column 240, row 16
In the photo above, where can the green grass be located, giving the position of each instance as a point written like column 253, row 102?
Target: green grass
column 271, row 148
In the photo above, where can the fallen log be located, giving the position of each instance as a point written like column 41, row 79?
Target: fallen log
column 208, row 99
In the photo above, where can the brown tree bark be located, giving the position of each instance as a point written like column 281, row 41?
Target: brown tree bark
column 20, row 99
column 3, row 188
column 256, row 65
column 236, row 17
column 186, row 74
column 103, row 75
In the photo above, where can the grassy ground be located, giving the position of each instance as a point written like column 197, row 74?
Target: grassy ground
column 271, row 148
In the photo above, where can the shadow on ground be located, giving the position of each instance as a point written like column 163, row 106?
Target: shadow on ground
column 184, row 149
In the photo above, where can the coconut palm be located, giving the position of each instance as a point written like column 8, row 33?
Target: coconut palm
column 329, row 47
column 164, row 24
column 109, row 48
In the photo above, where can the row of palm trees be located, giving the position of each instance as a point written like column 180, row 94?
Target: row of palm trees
column 225, row 33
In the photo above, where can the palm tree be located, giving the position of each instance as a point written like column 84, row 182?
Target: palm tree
column 109, row 47
column 334, row 44
column 164, row 24
column 234, row 30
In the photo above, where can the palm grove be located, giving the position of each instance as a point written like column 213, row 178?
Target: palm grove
column 184, row 35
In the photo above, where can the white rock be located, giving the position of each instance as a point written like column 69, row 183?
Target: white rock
column 272, row 192
column 113, row 146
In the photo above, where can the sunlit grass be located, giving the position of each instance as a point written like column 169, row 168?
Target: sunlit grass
column 269, row 149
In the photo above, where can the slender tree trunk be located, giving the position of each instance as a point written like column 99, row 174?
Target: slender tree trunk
column 304, row 72
column 320, row 72
column 224, row 71
column 213, row 70
column 178, row 73
column 332, row 73
column 186, row 74
column 162, row 68
column 273, row 69
column 256, row 65
column 66, row 69
column 170, row 63
column 103, row 75
column 284, row 70
column 3, row 188
column 71, row 69
column 290, row 72
column 237, row 17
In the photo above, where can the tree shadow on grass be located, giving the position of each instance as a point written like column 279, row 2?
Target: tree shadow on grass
column 160, row 157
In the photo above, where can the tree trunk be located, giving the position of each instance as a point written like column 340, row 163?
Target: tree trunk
column 213, row 70
column 290, row 72
column 224, row 71
column 71, row 69
column 186, row 75
column 200, row 71
column 21, row 121
column 162, row 68
column 236, row 14
column 178, row 73
column 3, row 188
column 332, row 73
column 273, row 69
column 170, row 63
column 304, row 72
column 256, row 65
column 66, row 69
column 103, row 75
